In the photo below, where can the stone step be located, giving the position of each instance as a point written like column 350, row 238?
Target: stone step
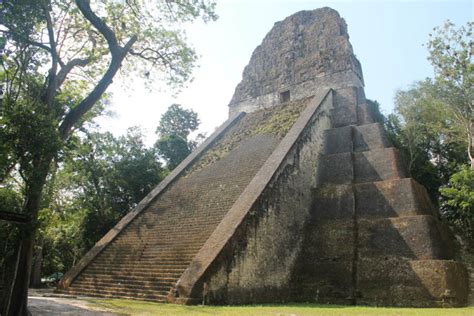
column 326, row 279
column 344, row 111
column 142, row 288
column 156, row 297
column 364, row 114
column 333, row 201
column 329, row 240
column 147, row 253
column 354, row 139
column 337, row 140
column 168, row 240
column 152, row 272
column 165, row 244
column 173, row 273
column 369, row 137
column 117, row 286
column 380, row 199
column 334, row 169
column 144, row 264
column 368, row 166
column 158, row 266
column 165, row 264
column 170, row 277
column 391, row 198
column 181, row 218
column 378, row 165
column 416, row 283
column 156, row 272
column 157, row 233
column 176, row 262
column 411, row 237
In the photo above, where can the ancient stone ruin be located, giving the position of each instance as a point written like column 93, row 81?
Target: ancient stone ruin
column 298, row 197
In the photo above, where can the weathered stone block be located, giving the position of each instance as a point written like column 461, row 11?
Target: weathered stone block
column 338, row 140
column 413, row 237
column 334, row 169
column 364, row 114
column 326, row 282
column 378, row 165
column 390, row 198
column 329, row 240
column 345, row 109
column 333, row 202
column 418, row 283
column 369, row 137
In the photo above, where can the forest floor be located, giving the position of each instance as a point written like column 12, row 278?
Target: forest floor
column 44, row 302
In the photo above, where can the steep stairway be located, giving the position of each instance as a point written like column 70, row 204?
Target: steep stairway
column 149, row 255
column 373, row 236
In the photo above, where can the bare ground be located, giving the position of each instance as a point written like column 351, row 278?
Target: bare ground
column 46, row 303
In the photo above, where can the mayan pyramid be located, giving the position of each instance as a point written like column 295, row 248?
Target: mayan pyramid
column 297, row 197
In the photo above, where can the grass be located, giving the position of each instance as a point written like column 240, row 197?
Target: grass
column 126, row 307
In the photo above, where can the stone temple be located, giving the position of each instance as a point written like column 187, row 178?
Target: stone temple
column 297, row 197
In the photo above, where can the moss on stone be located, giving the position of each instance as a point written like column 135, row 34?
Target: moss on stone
column 276, row 121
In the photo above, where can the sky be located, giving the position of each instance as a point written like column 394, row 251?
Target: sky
column 387, row 38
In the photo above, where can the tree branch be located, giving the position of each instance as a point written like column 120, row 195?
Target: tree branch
column 86, row 104
column 62, row 74
column 84, row 7
column 52, row 78
column 118, row 54
column 27, row 40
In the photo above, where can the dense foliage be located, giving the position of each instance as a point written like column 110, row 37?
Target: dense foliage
column 58, row 57
column 100, row 179
column 433, row 126
column 174, row 129
column 458, row 202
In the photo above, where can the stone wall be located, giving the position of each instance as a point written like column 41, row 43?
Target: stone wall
column 256, row 265
column 307, row 51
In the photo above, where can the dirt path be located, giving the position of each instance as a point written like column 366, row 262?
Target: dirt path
column 41, row 303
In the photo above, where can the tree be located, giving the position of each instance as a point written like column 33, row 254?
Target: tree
column 421, row 128
column 173, row 149
column 178, row 121
column 83, row 45
column 433, row 124
column 458, row 202
column 374, row 109
column 100, row 178
column 175, row 126
column 111, row 176
column 451, row 54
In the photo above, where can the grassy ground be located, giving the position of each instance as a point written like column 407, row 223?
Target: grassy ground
column 125, row 307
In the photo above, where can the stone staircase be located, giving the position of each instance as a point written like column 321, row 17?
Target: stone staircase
column 373, row 236
column 150, row 254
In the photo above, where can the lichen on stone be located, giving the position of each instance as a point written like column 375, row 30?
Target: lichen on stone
column 276, row 121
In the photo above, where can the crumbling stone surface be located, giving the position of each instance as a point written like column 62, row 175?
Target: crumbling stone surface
column 274, row 121
column 256, row 264
column 308, row 50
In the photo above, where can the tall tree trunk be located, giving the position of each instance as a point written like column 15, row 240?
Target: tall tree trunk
column 38, row 263
column 17, row 300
